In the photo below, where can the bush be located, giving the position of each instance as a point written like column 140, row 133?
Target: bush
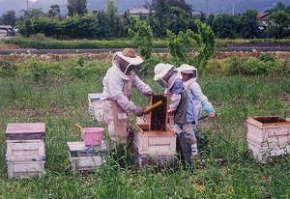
column 7, row 68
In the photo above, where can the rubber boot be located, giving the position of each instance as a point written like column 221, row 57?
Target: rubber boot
column 185, row 149
column 194, row 151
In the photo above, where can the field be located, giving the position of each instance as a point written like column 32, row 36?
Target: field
column 54, row 91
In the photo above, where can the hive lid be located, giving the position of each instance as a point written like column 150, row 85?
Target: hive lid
column 25, row 131
column 23, row 128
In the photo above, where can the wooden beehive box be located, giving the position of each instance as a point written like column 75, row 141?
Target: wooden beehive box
column 96, row 106
column 25, row 154
column 22, row 150
column 154, row 142
column 25, row 169
column 268, row 136
column 85, row 158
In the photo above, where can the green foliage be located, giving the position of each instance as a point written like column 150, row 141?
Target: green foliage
column 250, row 25
column 77, row 7
column 84, row 26
column 7, row 68
column 177, row 45
column 143, row 37
column 204, row 41
column 267, row 57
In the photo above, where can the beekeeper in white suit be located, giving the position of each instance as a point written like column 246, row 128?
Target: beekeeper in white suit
column 200, row 102
column 117, row 85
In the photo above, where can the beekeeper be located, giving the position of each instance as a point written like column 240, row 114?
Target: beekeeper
column 181, row 108
column 200, row 102
column 117, row 86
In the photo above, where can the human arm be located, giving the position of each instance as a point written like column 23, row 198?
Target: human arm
column 207, row 107
column 141, row 86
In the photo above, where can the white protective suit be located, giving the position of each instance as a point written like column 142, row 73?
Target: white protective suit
column 116, row 95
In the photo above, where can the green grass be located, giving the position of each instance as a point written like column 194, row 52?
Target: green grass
column 33, row 95
column 42, row 42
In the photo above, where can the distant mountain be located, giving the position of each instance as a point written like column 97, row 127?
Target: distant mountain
column 207, row 6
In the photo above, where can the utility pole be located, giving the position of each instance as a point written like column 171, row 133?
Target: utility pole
column 233, row 6
column 26, row 5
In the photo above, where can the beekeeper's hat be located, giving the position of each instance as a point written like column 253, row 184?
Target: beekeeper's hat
column 130, row 56
column 187, row 69
column 161, row 70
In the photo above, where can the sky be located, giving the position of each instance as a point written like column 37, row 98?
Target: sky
column 207, row 6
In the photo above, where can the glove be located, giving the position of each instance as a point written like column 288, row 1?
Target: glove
column 211, row 115
column 170, row 111
column 139, row 112
column 150, row 93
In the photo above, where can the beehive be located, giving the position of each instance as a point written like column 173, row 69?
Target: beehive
column 85, row 158
column 96, row 106
column 268, row 136
column 154, row 142
column 25, row 154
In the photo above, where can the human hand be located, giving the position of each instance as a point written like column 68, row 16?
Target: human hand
column 139, row 112
column 150, row 93
column 211, row 115
column 170, row 111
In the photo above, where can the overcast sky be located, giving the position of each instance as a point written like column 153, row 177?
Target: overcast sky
column 207, row 6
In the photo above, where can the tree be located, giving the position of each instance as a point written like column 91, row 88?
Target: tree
column 143, row 37
column 177, row 45
column 54, row 11
column 167, row 14
column 226, row 26
column 279, row 23
column 85, row 26
column 77, row 7
column 250, row 25
column 9, row 18
column 204, row 43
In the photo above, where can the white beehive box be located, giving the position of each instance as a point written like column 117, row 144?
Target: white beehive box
column 96, row 106
column 268, row 136
column 85, row 158
column 21, row 150
column 155, row 143
column 25, row 169
column 25, row 152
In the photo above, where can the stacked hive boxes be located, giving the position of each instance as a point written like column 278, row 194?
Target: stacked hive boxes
column 154, row 141
column 25, row 154
column 95, row 106
column 268, row 137
column 85, row 158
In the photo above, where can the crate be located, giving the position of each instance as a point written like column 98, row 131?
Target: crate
column 155, row 160
column 96, row 106
column 25, row 150
column 154, row 143
column 85, row 158
column 25, row 169
column 25, row 131
column 268, row 136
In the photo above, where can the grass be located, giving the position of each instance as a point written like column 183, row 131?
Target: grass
column 60, row 101
column 39, row 41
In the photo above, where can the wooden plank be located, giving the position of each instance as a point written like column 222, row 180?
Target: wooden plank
column 25, row 169
column 25, row 150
